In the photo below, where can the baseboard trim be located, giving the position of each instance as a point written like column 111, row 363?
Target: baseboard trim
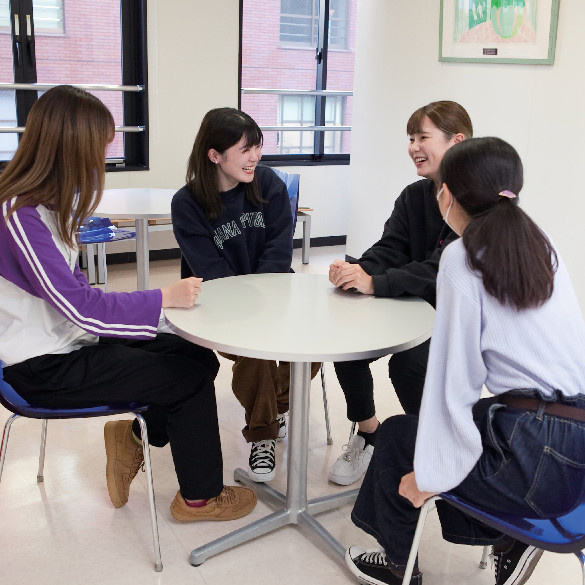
column 321, row 242
column 173, row 253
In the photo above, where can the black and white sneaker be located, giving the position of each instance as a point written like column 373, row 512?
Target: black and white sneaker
column 282, row 426
column 372, row 567
column 262, row 460
column 514, row 566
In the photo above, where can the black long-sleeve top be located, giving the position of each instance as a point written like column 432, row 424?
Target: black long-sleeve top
column 405, row 260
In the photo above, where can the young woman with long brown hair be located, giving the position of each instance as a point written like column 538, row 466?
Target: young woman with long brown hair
column 66, row 344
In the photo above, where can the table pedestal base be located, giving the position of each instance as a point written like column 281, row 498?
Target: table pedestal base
column 297, row 510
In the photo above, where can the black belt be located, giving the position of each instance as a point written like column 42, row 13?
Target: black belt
column 554, row 408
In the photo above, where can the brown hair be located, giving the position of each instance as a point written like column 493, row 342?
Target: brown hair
column 220, row 129
column 514, row 257
column 60, row 161
column 449, row 117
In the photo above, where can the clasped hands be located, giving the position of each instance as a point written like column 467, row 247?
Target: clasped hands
column 345, row 275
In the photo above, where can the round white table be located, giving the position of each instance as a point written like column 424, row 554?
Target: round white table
column 300, row 318
column 140, row 204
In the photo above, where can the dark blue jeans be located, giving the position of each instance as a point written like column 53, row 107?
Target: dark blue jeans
column 532, row 465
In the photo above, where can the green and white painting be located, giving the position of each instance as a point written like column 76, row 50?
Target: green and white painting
column 500, row 31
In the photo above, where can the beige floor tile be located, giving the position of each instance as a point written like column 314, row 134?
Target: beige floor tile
column 66, row 531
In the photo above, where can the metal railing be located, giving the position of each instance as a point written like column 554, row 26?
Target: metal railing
column 20, row 129
column 302, row 93
column 85, row 86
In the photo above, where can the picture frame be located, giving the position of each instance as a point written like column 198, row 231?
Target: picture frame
column 498, row 31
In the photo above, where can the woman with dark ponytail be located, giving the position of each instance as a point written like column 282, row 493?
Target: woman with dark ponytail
column 507, row 318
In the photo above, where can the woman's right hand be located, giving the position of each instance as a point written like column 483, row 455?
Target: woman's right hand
column 182, row 293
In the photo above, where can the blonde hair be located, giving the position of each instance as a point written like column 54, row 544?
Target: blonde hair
column 60, row 161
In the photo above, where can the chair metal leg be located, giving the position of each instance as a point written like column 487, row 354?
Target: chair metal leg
column 5, row 441
column 427, row 506
column 352, row 431
column 326, row 406
column 146, row 450
column 484, row 557
column 579, row 555
column 306, row 244
column 40, row 476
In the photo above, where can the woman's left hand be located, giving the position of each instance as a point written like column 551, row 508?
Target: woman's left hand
column 409, row 490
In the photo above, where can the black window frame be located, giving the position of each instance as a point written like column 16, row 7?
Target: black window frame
column 134, row 73
column 318, row 157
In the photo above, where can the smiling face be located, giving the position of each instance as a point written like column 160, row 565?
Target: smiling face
column 427, row 147
column 235, row 164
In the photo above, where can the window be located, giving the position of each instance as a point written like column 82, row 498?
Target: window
column 299, row 74
column 300, row 111
column 299, row 23
column 49, row 42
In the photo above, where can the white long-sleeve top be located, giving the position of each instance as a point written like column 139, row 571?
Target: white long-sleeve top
column 477, row 341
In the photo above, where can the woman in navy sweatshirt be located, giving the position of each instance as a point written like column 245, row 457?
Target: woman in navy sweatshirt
column 233, row 217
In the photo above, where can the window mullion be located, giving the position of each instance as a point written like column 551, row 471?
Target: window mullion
column 23, row 55
column 134, row 72
column 321, row 79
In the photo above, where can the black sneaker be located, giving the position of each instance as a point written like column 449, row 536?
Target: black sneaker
column 262, row 461
column 372, row 567
column 514, row 566
column 282, row 426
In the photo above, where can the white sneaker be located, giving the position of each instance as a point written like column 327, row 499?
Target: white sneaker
column 262, row 461
column 282, row 422
column 350, row 466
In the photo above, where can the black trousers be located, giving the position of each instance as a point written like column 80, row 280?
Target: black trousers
column 407, row 371
column 175, row 377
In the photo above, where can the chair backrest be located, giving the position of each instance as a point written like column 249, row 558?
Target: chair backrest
column 292, row 181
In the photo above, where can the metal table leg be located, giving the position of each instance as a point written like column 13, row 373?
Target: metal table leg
column 297, row 510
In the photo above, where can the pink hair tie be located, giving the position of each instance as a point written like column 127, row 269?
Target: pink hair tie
column 507, row 194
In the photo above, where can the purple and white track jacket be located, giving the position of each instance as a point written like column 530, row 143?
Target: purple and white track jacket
column 47, row 305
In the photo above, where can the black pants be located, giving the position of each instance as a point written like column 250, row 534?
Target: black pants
column 174, row 376
column 407, row 371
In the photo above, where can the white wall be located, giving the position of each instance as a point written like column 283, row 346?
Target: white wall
column 193, row 67
column 538, row 109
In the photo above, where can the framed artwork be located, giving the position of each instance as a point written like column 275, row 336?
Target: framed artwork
column 498, row 31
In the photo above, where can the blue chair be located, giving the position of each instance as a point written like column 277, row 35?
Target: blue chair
column 21, row 408
column 97, row 231
column 292, row 182
column 565, row 534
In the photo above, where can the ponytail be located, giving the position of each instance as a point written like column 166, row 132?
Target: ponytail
column 514, row 257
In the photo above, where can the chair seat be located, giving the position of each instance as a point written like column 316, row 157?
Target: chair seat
column 18, row 405
column 563, row 534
